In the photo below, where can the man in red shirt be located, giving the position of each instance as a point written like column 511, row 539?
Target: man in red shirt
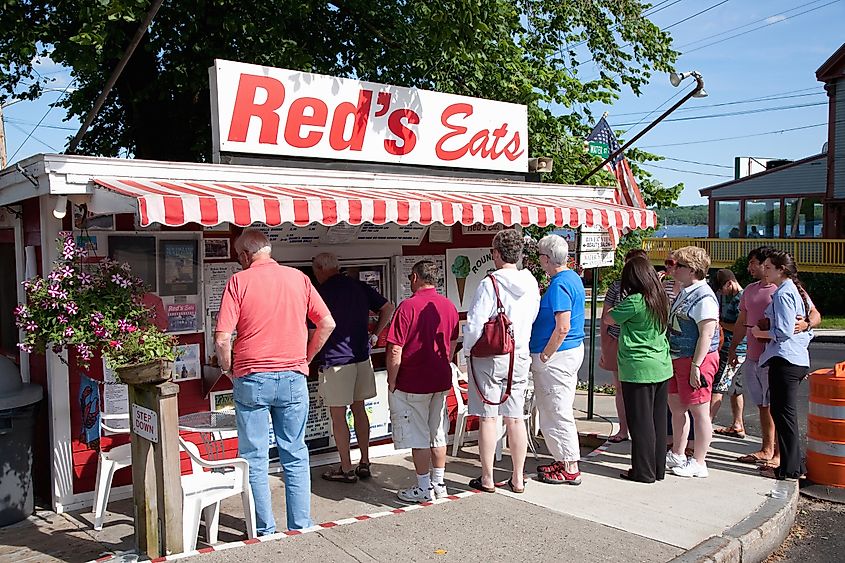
column 267, row 304
column 420, row 345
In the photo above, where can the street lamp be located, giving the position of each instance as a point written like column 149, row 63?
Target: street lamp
column 675, row 79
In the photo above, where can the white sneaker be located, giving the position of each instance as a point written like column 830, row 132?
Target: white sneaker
column 691, row 469
column 674, row 460
column 414, row 494
column 439, row 491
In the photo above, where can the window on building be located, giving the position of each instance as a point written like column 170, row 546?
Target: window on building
column 804, row 217
column 762, row 218
column 727, row 219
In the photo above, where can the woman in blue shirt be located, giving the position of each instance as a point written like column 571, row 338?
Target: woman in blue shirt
column 786, row 356
column 557, row 351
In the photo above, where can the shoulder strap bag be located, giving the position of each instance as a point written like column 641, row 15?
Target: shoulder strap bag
column 496, row 340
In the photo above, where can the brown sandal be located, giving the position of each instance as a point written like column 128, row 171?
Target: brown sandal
column 337, row 475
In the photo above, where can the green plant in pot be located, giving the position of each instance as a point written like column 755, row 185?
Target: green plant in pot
column 85, row 307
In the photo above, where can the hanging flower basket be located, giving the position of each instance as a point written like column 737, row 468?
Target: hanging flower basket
column 83, row 308
column 156, row 371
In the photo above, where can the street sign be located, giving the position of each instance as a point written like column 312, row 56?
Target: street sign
column 145, row 423
column 600, row 259
column 598, row 149
column 595, row 248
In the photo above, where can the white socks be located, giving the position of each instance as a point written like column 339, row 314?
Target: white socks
column 424, row 482
column 437, row 475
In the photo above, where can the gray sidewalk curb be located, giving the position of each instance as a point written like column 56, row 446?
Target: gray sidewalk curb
column 753, row 539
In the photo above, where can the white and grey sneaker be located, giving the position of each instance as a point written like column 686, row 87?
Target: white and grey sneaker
column 674, row 460
column 414, row 494
column 691, row 469
column 439, row 491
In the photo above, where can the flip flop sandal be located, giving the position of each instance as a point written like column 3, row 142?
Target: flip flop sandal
column 337, row 475
column 363, row 471
column 617, row 439
column 509, row 484
column 476, row 484
column 751, row 458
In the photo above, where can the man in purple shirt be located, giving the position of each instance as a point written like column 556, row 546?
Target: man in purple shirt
column 345, row 370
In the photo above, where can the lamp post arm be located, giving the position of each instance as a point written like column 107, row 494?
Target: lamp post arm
column 698, row 88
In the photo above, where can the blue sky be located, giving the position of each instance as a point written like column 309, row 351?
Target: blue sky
column 777, row 62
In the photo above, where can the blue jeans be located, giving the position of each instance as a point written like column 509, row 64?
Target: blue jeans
column 283, row 397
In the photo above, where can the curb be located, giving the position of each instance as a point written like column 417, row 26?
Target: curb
column 829, row 338
column 753, row 539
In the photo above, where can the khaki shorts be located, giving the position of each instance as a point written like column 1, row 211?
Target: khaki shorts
column 420, row 420
column 341, row 386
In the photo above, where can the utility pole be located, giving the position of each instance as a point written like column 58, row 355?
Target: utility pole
column 2, row 141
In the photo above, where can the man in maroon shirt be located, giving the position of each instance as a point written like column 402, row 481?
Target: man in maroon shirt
column 420, row 345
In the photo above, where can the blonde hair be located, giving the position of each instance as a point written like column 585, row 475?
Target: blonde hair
column 696, row 258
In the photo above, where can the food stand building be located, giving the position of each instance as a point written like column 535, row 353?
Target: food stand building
column 176, row 223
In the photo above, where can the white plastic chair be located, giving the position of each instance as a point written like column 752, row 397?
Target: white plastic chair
column 203, row 490
column 108, row 462
column 463, row 414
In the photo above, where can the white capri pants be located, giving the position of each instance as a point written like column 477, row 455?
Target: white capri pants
column 554, row 392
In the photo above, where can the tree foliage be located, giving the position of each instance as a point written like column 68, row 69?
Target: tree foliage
column 555, row 57
column 684, row 215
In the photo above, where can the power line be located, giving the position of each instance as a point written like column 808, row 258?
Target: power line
column 749, row 24
column 769, row 98
column 685, row 171
column 679, row 22
column 22, row 130
column 720, row 139
column 646, row 116
column 698, row 163
column 761, row 27
column 736, row 113
column 43, row 117
column 43, row 126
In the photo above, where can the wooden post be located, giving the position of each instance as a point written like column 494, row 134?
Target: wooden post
column 156, row 476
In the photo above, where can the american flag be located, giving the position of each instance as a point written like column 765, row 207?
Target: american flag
column 628, row 192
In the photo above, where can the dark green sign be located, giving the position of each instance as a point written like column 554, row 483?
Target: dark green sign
column 598, row 149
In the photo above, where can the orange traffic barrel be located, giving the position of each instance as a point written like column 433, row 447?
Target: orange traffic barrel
column 826, row 427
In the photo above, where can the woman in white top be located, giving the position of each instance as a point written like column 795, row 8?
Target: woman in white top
column 520, row 298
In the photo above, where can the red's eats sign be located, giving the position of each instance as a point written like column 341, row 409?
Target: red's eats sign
column 274, row 111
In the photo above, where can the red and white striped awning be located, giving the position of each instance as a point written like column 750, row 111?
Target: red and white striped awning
column 174, row 203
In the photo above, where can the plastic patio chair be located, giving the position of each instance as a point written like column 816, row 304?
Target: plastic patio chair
column 203, row 490
column 110, row 461
column 463, row 414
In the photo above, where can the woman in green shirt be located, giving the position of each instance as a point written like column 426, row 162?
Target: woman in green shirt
column 644, row 367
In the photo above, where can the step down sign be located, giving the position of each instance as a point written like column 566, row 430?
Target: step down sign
column 145, row 423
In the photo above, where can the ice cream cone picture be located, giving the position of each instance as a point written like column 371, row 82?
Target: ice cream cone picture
column 460, row 268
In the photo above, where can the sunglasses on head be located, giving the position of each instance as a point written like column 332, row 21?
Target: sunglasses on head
column 681, row 265
column 669, row 262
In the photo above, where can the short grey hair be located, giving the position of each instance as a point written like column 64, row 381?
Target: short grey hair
column 427, row 271
column 555, row 247
column 253, row 241
column 509, row 243
column 326, row 262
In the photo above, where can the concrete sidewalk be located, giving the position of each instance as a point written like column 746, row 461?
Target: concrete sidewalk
column 605, row 518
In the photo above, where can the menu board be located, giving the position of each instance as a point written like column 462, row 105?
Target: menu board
column 215, row 278
column 392, row 232
column 403, row 267
column 288, row 233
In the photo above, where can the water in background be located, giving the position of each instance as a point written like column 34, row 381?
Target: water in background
column 681, row 231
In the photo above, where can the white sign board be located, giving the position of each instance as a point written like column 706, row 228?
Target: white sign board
column 264, row 110
column 465, row 268
column 595, row 241
column 599, row 259
column 145, row 423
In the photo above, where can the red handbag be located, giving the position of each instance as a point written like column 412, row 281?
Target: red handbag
column 496, row 340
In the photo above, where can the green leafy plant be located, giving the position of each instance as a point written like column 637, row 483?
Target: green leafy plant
column 88, row 307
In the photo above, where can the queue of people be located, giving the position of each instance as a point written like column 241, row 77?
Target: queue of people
column 662, row 340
